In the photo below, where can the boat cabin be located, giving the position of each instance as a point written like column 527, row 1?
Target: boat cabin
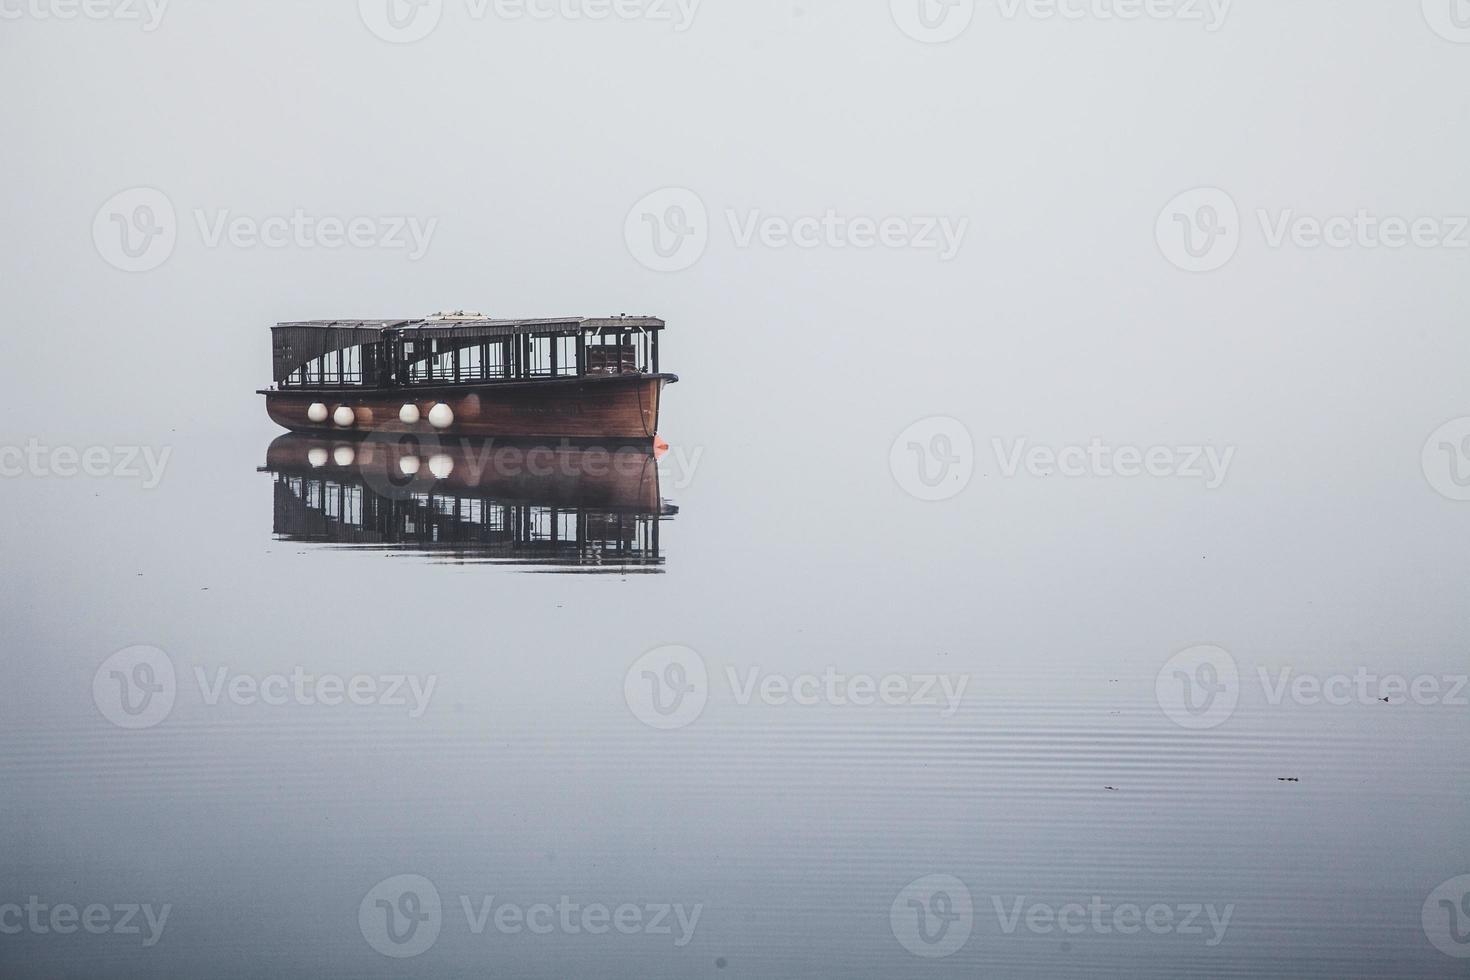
column 459, row 348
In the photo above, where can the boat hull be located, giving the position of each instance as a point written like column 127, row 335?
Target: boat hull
column 614, row 477
column 617, row 407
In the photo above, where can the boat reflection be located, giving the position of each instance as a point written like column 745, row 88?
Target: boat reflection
column 554, row 508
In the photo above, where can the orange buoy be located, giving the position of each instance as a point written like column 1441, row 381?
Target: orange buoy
column 660, row 447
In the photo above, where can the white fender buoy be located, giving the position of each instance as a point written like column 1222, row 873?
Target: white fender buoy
column 441, row 466
column 344, row 417
column 409, row 466
column 343, row 455
column 409, row 414
column 317, row 412
column 441, row 416
column 317, row 457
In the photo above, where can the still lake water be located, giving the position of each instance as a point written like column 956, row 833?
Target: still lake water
column 580, row 750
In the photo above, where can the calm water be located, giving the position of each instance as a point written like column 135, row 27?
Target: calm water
column 605, row 771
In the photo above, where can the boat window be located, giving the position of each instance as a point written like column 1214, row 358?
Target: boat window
column 495, row 360
column 539, row 363
column 470, row 365
column 352, row 365
column 607, row 356
column 352, row 506
column 540, row 523
column 566, row 356
column 443, row 363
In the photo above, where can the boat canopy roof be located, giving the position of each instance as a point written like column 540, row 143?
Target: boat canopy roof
column 296, row 342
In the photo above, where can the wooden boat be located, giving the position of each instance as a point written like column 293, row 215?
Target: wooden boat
column 464, row 374
column 546, row 507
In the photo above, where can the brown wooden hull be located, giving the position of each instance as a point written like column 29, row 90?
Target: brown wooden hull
column 617, row 407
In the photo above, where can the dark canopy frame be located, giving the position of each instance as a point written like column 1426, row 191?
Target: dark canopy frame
column 294, row 345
